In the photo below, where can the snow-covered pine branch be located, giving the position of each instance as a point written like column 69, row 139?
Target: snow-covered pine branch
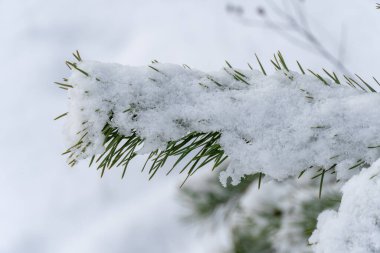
column 279, row 124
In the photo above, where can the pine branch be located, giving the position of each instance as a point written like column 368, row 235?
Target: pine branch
column 254, row 226
column 204, row 203
column 198, row 149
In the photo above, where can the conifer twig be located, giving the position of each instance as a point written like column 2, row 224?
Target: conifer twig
column 194, row 150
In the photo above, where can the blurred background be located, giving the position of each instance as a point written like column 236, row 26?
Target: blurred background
column 46, row 206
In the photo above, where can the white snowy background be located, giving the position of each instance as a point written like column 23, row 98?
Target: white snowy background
column 45, row 206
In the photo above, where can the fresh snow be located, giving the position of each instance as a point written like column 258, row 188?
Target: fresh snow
column 355, row 227
column 278, row 124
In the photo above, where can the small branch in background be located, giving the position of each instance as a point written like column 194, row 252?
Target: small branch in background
column 234, row 9
column 292, row 24
column 342, row 45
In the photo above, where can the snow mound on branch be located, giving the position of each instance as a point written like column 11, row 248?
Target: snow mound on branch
column 356, row 226
column 277, row 124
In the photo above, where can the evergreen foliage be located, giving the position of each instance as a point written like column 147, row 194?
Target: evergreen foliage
column 255, row 230
column 196, row 148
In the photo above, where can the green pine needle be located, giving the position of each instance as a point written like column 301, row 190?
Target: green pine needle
column 261, row 66
column 61, row 116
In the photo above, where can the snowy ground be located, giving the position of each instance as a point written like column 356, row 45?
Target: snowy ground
column 46, row 206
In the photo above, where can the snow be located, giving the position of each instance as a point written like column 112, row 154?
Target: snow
column 355, row 227
column 279, row 124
